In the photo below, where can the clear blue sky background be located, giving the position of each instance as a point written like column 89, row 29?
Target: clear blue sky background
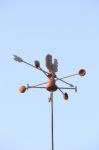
column 69, row 30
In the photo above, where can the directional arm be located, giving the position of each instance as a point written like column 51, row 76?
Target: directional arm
column 81, row 72
column 19, row 59
column 68, row 76
column 36, row 68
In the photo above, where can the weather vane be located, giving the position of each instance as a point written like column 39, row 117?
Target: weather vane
column 51, row 85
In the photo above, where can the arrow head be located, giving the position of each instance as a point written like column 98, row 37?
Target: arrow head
column 17, row 58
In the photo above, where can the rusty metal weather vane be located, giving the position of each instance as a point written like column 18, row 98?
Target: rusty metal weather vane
column 51, row 85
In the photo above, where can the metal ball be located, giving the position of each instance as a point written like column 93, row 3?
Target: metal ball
column 37, row 63
column 82, row 72
column 65, row 95
column 22, row 89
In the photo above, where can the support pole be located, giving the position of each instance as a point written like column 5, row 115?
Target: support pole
column 52, row 123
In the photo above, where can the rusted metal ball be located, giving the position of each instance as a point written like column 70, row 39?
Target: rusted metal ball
column 22, row 89
column 37, row 63
column 65, row 95
column 82, row 72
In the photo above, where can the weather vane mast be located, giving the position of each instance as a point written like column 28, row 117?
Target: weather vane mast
column 51, row 85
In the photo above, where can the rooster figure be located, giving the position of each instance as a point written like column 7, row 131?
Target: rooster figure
column 52, row 67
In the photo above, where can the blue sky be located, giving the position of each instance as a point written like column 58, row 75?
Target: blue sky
column 69, row 30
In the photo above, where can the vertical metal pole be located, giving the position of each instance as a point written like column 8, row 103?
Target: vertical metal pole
column 52, row 122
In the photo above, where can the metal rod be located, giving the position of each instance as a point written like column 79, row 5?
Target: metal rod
column 45, row 87
column 36, row 87
column 46, row 73
column 70, row 76
column 29, row 64
column 65, row 82
column 20, row 60
column 43, row 83
column 36, row 68
column 56, row 79
column 60, row 90
column 73, row 88
column 52, row 123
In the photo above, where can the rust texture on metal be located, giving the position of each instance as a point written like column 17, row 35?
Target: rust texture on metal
column 22, row 89
column 82, row 72
column 51, row 86
column 65, row 95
